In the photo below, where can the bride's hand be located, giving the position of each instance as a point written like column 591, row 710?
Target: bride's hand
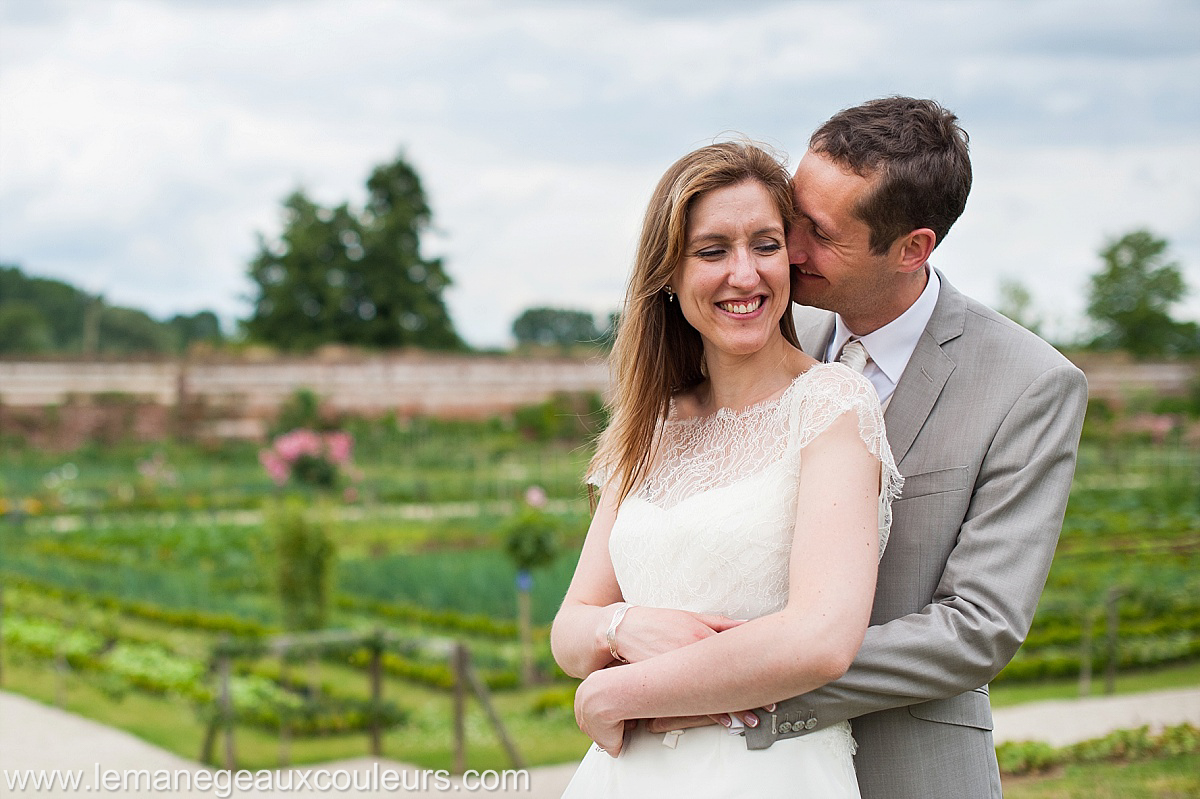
column 597, row 719
column 646, row 632
column 663, row 725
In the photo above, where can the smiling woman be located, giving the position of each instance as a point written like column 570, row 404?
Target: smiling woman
column 694, row 218
column 711, row 540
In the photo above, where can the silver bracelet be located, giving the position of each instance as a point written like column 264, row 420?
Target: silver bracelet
column 611, row 635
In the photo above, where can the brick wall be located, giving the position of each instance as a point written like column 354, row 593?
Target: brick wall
column 235, row 397
column 65, row 401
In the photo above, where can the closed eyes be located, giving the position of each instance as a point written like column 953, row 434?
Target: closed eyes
column 762, row 248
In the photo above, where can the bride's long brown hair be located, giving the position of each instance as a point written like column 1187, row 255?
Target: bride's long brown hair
column 657, row 353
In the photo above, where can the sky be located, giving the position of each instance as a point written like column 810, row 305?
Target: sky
column 145, row 145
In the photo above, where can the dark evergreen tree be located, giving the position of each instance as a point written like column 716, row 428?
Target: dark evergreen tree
column 340, row 276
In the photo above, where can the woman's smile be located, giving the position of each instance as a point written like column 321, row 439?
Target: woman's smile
column 744, row 308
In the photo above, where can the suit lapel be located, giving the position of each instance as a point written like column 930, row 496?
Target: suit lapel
column 927, row 372
column 814, row 330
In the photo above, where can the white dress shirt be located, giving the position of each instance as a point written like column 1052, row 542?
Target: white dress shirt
column 890, row 347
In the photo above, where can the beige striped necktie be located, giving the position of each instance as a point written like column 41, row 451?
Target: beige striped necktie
column 854, row 355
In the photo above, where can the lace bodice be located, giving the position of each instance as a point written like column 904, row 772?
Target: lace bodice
column 710, row 529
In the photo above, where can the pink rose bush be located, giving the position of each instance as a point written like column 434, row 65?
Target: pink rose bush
column 535, row 497
column 308, row 457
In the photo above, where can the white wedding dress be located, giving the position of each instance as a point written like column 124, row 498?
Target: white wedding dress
column 710, row 531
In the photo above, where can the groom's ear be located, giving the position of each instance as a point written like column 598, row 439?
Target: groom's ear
column 913, row 249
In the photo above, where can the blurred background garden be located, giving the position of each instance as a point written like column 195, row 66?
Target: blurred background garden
column 310, row 588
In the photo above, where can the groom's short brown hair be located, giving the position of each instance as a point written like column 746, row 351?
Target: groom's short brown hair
column 915, row 152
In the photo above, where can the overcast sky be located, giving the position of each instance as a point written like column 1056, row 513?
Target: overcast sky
column 144, row 144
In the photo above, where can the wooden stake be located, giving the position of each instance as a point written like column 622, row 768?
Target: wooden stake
column 460, row 707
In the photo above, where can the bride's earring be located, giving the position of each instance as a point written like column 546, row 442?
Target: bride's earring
column 670, row 293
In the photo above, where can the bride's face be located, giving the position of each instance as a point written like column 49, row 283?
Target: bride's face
column 733, row 284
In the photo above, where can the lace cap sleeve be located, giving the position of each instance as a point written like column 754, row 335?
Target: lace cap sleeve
column 597, row 478
column 831, row 391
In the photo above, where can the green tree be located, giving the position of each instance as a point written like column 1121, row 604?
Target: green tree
column 337, row 275
column 305, row 565
column 610, row 332
column 1131, row 297
column 127, row 330
column 24, row 330
column 1016, row 302
column 302, row 409
column 196, row 328
column 41, row 315
column 529, row 541
column 556, row 327
column 60, row 306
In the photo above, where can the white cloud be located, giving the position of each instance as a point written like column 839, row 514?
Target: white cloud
column 144, row 143
column 1042, row 214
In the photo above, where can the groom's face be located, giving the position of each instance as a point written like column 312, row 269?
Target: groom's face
column 829, row 247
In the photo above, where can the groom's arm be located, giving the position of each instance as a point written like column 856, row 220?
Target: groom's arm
column 993, row 578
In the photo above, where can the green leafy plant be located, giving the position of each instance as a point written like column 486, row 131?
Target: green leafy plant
column 530, row 542
column 305, row 564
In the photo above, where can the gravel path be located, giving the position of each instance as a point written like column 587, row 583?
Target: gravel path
column 36, row 737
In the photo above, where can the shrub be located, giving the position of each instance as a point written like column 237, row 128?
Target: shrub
column 1031, row 757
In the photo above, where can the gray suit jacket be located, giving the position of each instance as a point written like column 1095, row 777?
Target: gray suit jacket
column 984, row 425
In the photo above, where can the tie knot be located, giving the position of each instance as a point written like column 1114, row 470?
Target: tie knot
column 854, row 355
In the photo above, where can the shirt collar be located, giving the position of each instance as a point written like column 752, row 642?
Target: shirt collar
column 892, row 345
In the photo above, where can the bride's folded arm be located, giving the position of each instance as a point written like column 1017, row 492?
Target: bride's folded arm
column 579, row 636
column 811, row 642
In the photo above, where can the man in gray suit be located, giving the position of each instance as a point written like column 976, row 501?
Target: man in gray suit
column 984, row 420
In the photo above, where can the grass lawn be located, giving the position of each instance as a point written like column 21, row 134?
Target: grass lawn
column 425, row 741
column 1169, row 778
column 547, row 739
column 1186, row 675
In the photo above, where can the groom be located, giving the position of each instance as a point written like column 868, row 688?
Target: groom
column 983, row 418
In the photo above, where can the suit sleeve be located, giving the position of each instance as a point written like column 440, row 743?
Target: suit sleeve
column 985, row 601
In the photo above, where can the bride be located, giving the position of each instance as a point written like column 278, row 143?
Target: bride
column 745, row 500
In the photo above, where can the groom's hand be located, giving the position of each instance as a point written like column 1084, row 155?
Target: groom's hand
column 665, row 725
column 646, row 632
column 598, row 716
